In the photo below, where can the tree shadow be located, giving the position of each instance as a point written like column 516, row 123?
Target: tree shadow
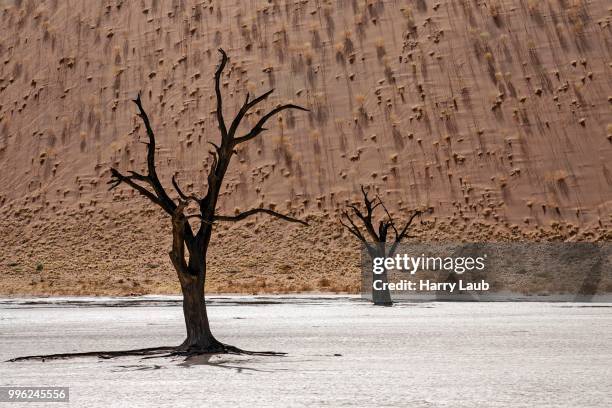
column 137, row 367
column 209, row 360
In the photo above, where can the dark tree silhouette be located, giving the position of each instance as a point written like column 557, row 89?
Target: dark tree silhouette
column 191, row 269
column 377, row 241
column 189, row 248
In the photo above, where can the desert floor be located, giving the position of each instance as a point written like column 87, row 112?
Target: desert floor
column 341, row 352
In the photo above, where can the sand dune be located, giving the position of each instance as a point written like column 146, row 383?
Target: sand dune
column 493, row 115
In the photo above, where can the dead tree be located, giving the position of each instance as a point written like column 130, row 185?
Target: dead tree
column 189, row 247
column 377, row 241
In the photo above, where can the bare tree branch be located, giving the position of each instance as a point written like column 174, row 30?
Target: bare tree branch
column 258, row 128
column 253, row 211
column 177, row 254
column 260, row 98
column 391, row 222
column 198, row 216
column 217, row 148
column 245, row 108
column 182, row 195
column 218, row 74
column 371, row 205
column 140, row 177
column 164, row 200
column 366, row 220
column 353, row 229
column 402, row 234
column 383, row 228
column 408, row 223
column 118, row 178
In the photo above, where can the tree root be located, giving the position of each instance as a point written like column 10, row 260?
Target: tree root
column 154, row 352
column 99, row 354
column 221, row 348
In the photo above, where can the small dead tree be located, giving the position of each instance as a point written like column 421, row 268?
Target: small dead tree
column 189, row 248
column 377, row 241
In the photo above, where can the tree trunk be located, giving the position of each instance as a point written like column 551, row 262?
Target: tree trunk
column 199, row 335
column 192, row 276
column 381, row 297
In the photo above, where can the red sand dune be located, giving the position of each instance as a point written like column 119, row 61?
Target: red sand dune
column 494, row 115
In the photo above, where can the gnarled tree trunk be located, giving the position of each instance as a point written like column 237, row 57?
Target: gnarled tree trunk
column 199, row 335
column 192, row 277
column 381, row 297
